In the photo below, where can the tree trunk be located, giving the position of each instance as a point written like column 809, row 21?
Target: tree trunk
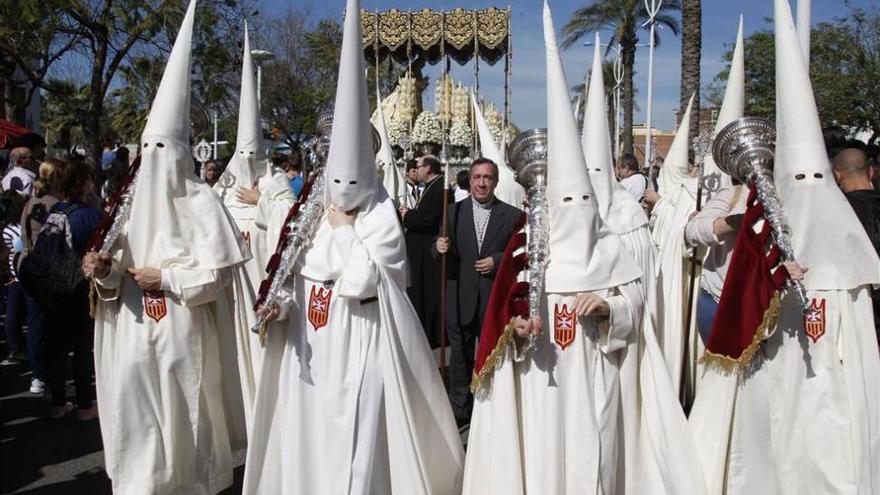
column 691, row 42
column 92, row 125
column 628, row 55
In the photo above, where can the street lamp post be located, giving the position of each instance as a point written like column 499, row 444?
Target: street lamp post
column 653, row 8
column 259, row 57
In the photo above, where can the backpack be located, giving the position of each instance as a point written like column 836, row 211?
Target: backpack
column 51, row 271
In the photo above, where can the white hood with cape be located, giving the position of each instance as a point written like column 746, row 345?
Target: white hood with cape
column 259, row 224
column 804, row 418
column 349, row 399
column 551, row 423
column 168, row 388
column 659, row 453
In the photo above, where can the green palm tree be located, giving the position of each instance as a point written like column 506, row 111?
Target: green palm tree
column 624, row 18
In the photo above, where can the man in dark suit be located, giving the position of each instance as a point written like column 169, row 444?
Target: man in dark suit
column 479, row 228
column 422, row 224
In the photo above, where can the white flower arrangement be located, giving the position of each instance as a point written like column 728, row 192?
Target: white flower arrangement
column 427, row 129
column 395, row 130
column 460, row 133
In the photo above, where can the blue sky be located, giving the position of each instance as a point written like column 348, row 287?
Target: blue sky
column 719, row 30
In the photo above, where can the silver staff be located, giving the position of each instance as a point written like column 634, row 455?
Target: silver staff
column 745, row 150
column 528, row 154
column 303, row 226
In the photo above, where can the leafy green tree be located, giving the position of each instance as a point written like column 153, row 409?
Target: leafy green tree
column 102, row 36
column 624, row 18
column 844, row 71
column 300, row 83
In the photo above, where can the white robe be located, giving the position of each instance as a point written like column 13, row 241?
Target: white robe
column 680, row 347
column 788, row 427
column 354, row 406
column 167, row 391
column 659, row 454
column 257, row 223
column 549, row 424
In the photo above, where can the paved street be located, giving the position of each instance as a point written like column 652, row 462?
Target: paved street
column 42, row 456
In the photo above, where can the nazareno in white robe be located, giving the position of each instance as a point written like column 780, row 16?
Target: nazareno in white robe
column 549, row 423
column 805, row 417
column 259, row 225
column 356, row 405
column 168, row 391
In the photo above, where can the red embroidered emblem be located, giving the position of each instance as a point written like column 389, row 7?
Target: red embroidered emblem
column 564, row 326
column 247, row 238
column 814, row 323
column 154, row 304
column 319, row 306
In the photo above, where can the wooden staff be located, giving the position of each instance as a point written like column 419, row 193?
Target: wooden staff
column 692, row 275
column 444, row 225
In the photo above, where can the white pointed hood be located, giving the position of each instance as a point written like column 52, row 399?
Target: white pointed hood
column 248, row 163
column 803, row 29
column 733, row 105
column 176, row 220
column 508, row 189
column 826, row 234
column 584, row 254
column 351, row 171
column 617, row 207
column 674, row 171
column 392, row 178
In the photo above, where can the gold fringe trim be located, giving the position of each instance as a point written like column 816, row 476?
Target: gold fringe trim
column 481, row 379
column 727, row 364
column 93, row 299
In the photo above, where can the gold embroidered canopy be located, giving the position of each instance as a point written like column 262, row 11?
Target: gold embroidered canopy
column 431, row 34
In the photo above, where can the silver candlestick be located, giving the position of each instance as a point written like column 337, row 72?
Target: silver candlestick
column 745, row 150
column 528, row 155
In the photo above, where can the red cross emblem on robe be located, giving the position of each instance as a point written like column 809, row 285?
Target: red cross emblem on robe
column 154, row 304
column 247, row 238
column 319, row 306
column 564, row 326
column 814, row 323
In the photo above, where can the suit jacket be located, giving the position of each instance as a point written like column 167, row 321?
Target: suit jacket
column 425, row 218
column 468, row 289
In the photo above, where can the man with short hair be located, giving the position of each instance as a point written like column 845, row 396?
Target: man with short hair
column 853, row 175
column 422, row 224
column 20, row 177
column 413, row 188
column 627, row 169
column 479, row 229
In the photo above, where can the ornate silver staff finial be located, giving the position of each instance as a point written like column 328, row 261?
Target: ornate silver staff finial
column 528, row 156
column 745, row 150
column 702, row 147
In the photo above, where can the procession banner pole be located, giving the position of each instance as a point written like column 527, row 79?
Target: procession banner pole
column 444, row 265
column 444, row 223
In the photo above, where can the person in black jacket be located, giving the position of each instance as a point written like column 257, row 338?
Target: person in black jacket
column 854, row 177
column 480, row 227
column 422, row 224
